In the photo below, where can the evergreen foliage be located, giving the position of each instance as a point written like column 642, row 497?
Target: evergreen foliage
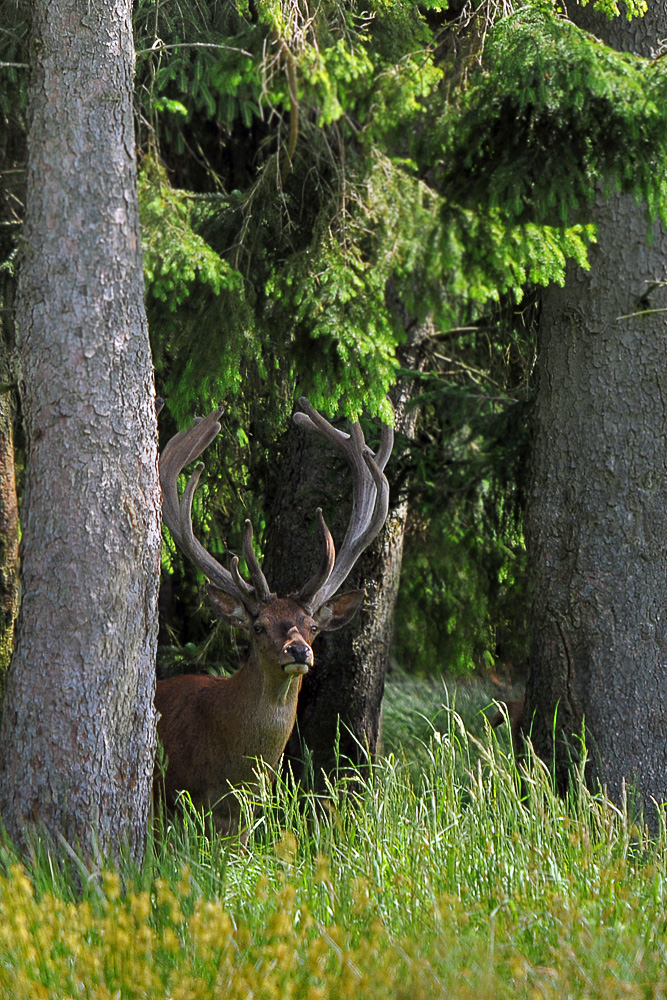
column 311, row 235
column 463, row 601
column 553, row 112
column 296, row 160
column 335, row 152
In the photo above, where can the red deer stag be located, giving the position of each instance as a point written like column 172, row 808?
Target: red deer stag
column 214, row 730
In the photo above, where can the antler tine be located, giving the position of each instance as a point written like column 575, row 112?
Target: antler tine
column 260, row 584
column 181, row 450
column 202, row 559
column 238, row 579
column 314, row 421
column 204, row 430
column 327, row 564
column 360, row 533
column 370, row 500
column 386, row 446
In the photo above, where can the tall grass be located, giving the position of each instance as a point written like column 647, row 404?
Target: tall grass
column 466, row 877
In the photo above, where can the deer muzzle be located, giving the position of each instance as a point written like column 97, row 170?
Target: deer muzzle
column 297, row 656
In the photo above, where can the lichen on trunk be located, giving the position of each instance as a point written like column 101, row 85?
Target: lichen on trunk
column 9, row 517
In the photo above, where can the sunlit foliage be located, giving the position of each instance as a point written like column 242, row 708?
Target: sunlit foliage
column 328, row 153
column 298, row 162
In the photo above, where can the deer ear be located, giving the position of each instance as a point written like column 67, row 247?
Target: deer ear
column 227, row 608
column 339, row 610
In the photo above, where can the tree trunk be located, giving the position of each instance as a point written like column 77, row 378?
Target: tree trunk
column 341, row 697
column 596, row 527
column 9, row 519
column 77, row 737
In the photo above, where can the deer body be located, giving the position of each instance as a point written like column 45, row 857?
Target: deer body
column 217, row 732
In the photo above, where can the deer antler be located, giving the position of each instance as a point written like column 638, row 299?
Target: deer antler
column 370, row 503
column 182, row 449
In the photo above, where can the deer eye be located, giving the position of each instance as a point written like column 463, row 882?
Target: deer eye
column 314, row 628
column 259, row 628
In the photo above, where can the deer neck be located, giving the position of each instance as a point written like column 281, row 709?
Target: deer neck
column 260, row 708
column 268, row 685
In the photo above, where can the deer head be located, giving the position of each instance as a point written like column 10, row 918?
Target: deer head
column 214, row 730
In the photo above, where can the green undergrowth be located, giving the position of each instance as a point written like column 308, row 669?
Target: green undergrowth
column 466, row 877
column 415, row 707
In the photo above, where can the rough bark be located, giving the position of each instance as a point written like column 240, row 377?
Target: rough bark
column 596, row 530
column 341, row 697
column 77, row 736
column 9, row 519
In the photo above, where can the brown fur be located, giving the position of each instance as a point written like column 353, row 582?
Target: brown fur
column 515, row 713
column 214, row 730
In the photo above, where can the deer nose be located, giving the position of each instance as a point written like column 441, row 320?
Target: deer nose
column 296, row 649
column 300, row 654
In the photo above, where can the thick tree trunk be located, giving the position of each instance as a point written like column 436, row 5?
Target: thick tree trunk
column 9, row 519
column 596, row 529
column 78, row 729
column 341, row 697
